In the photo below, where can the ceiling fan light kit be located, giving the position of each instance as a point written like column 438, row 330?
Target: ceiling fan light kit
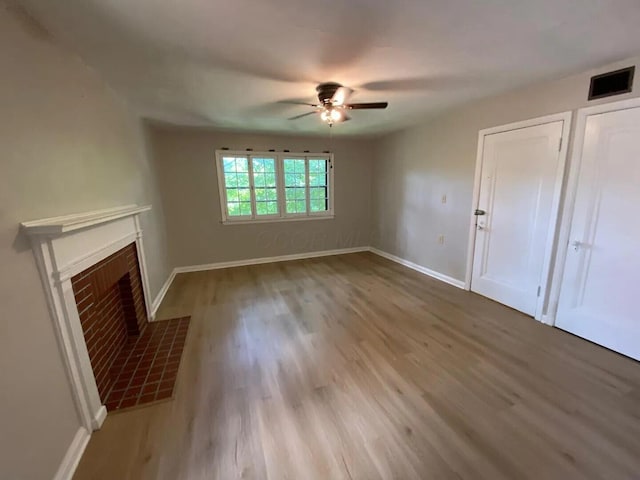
column 333, row 99
column 331, row 115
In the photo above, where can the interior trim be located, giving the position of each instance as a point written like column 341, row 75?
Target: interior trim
column 419, row 268
column 551, row 243
column 73, row 455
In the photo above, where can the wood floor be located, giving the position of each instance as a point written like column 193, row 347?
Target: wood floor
column 353, row 367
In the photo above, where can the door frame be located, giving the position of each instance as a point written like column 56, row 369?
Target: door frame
column 566, row 216
column 566, row 118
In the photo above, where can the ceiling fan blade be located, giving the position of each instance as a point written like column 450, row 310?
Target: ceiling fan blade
column 291, row 102
column 302, row 115
column 366, row 106
column 341, row 96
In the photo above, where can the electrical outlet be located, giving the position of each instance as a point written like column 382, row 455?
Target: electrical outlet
column 444, row 198
column 441, row 239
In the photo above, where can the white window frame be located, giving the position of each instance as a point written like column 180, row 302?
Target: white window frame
column 279, row 157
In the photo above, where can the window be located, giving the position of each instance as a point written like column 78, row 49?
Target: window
column 265, row 186
column 257, row 187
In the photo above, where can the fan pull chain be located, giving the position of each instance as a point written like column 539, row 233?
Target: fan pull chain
column 330, row 137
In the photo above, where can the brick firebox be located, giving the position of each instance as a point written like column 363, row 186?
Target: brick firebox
column 111, row 307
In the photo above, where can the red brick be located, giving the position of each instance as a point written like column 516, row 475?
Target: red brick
column 147, row 398
column 107, row 311
column 128, row 402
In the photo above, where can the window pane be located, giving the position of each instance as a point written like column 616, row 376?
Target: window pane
column 318, row 166
column 271, row 194
column 290, row 179
column 318, row 193
column 295, row 182
column 235, row 164
column 232, row 195
column 317, row 179
column 296, row 194
column 242, row 165
column 230, row 179
column 233, row 208
column 264, row 195
column 296, row 201
column 243, row 179
column 319, row 205
column 244, row 195
column 236, row 182
column 245, row 208
column 258, row 165
column 288, row 193
column 228, row 164
column 258, row 179
column 270, row 179
column 264, row 182
column 294, row 165
column 272, row 208
column 261, row 208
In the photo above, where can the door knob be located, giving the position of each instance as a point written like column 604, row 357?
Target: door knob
column 576, row 245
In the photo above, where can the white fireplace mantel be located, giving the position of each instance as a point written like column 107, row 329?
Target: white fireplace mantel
column 56, row 226
column 63, row 247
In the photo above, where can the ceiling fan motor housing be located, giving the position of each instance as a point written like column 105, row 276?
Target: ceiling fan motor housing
column 326, row 91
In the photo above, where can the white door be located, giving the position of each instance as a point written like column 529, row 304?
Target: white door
column 520, row 186
column 600, row 291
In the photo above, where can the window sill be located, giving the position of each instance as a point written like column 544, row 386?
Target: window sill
column 279, row 220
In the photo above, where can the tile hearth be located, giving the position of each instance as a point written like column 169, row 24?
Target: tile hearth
column 146, row 369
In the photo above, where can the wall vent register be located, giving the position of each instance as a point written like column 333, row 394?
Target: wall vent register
column 612, row 83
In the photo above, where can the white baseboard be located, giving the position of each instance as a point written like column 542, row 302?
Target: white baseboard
column 74, row 454
column 419, row 268
column 257, row 261
column 99, row 417
column 548, row 320
column 163, row 291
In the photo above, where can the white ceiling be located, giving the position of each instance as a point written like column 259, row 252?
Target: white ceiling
column 229, row 63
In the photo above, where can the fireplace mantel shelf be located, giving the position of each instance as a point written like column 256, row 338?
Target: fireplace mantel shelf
column 59, row 225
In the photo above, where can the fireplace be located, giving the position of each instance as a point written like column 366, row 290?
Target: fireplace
column 93, row 262
column 111, row 309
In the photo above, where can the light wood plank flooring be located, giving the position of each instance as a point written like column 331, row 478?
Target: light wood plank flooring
column 353, row 367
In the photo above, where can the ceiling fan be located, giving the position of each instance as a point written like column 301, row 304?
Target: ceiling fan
column 333, row 104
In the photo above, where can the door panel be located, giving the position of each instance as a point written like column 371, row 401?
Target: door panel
column 518, row 187
column 600, row 286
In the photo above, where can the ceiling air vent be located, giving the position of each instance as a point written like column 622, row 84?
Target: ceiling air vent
column 612, row 83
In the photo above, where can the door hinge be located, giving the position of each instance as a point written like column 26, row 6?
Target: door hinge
column 560, row 145
column 539, row 288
